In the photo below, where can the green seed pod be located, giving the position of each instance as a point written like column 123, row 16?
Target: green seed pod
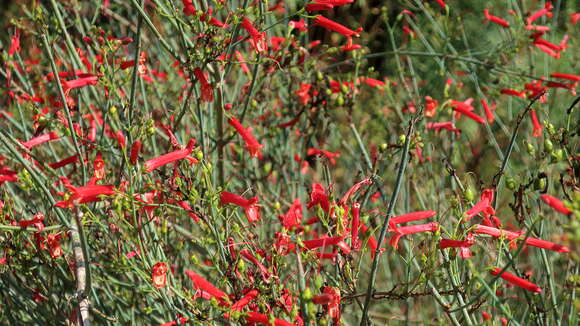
column 548, row 146
column 318, row 282
column 307, row 294
column 383, row 147
column 468, row 194
column 557, row 155
column 539, row 184
column 254, row 104
column 531, row 149
column 199, row 155
column 241, row 265
column 511, row 183
column 402, row 139
column 319, row 75
column 113, row 110
column 340, row 100
column 344, row 88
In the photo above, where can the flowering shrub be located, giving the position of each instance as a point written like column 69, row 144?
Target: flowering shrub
column 289, row 163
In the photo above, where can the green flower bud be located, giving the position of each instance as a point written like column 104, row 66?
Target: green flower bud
column 319, row 75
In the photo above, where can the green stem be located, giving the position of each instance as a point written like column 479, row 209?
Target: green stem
column 398, row 183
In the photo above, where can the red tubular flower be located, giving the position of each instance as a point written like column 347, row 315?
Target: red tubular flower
column 353, row 190
column 321, row 242
column 182, row 321
column 79, row 82
column 547, row 50
column 318, row 7
column 36, row 221
column 41, row 139
column 120, row 137
column 330, row 155
column 513, row 92
column 92, row 193
column 495, row 19
column 438, row 126
column 336, row 3
column 414, row 216
column 86, row 194
column 64, row 162
column 53, row 241
column 257, row 318
column 159, row 275
column 318, row 197
column 188, row 8
column 299, row 25
column 488, row 111
column 541, row 42
column 556, row 204
column 257, row 39
column 412, row 229
column 14, row 43
column 252, row 144
column 245, row 300
column 375, row 83
column 168, row 158
column 565, row 76
column 486, row 316
column 135, row 149
column 206, row 287
column 441, row 3
column 430, row 107
column 206, row 89
column 185, row 205
column 463, row 245
column 536, row 123
column 534, row 242
column 250, row 206
column 372, row 242
column 283, row 244
column 331, row 298
column 355, row 226
column 335, row 27
column 251, row 258
column 293, row 217
column 517, row 281
column 544, row 11
column 463, row 109
column 574, row 18
column 479, row 207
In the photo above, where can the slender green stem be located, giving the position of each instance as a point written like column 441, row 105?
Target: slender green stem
column 383, row 232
